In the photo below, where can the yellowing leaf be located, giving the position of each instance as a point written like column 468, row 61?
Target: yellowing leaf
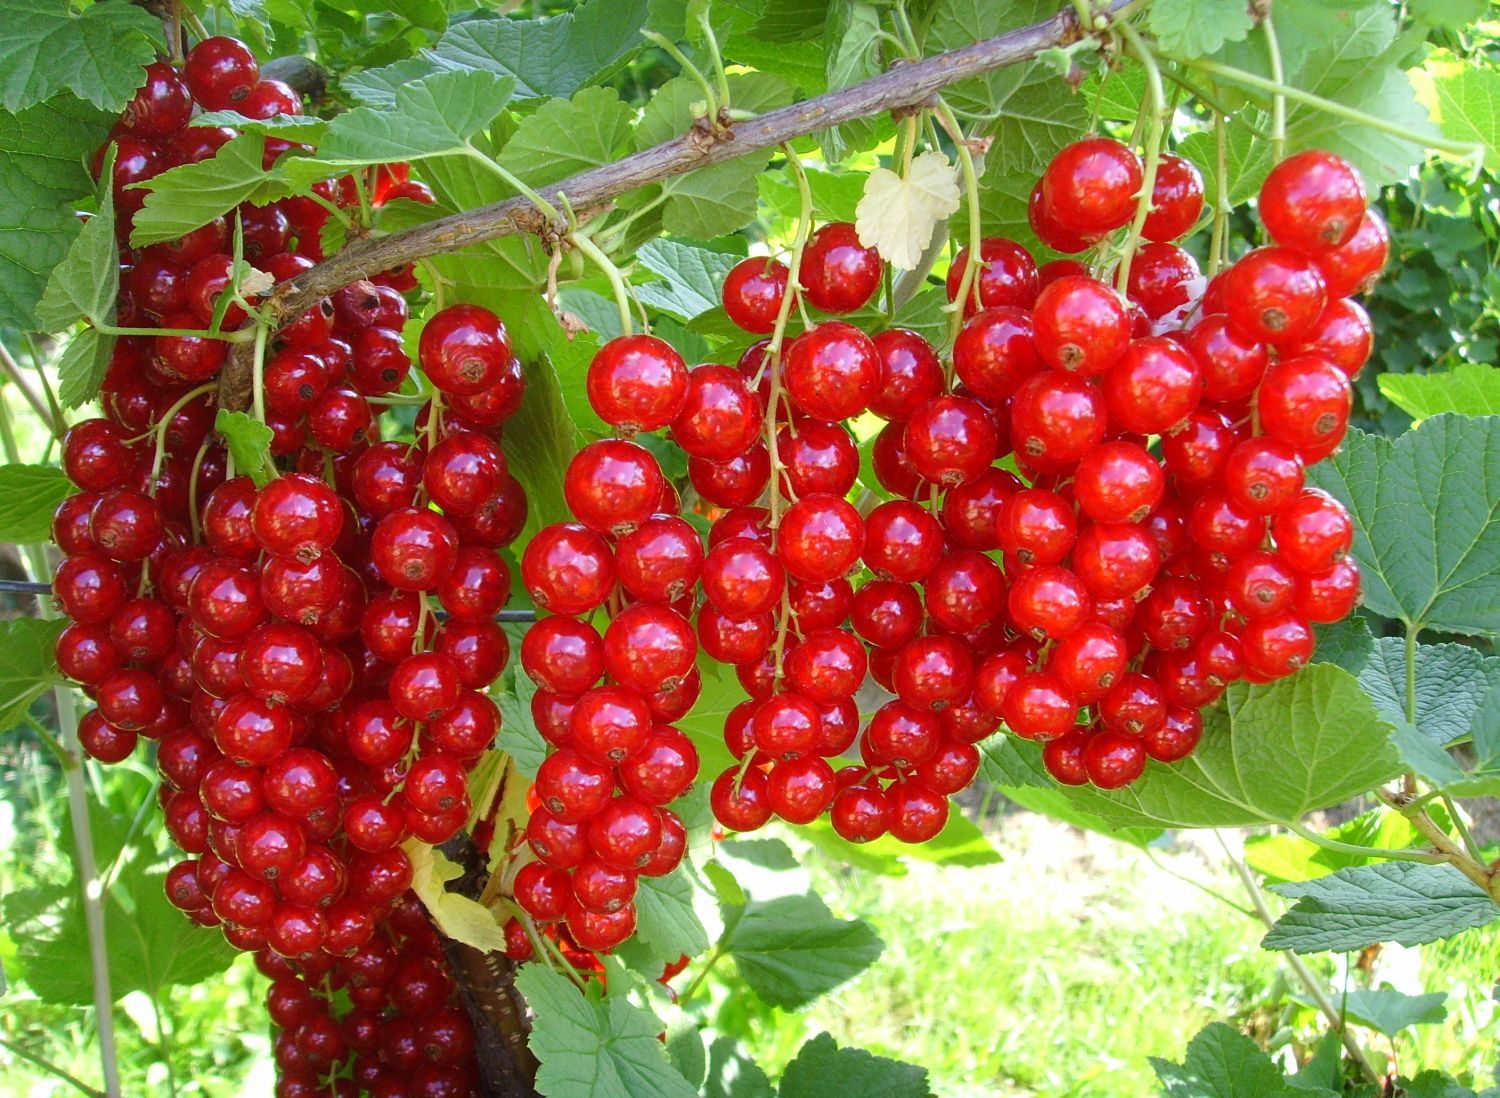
column 896, row 216
column 460, row 918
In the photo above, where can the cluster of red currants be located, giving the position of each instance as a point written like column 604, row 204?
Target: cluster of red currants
column 276, row 636
column 600, row 819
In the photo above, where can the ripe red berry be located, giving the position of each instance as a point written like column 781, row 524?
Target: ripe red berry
column 1176, row 199
column 1007, row 276
column 1090, row 186
column 832, row 371
column 838, row 274
column 1274, row 295
column 752, row 293
column 637, row 383
column 1312, row 201
column 1080, row 326
column 464, row 349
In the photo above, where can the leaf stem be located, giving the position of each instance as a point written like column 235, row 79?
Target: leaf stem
column 1475, row 851
column 1328, row 106
column 164, row 1043
column 708, row 964
column 1156, row 97
column 1339, row 847
column 511, row 180
column 710, row 97
column 712, row 41
column 1304, row 974
column 1218, row 236
column 258, row 375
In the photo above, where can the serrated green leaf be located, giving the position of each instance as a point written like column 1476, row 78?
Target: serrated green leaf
column 81, row 367
column 1479, row 774
column 1035, row 114
column 1347, row 644
column 540, row 440
column 377, row 87
column 1390, row 1011
column 180, row 200
column 835, row 194
column 732, row 1074
column 1469, row 389
column 1007, row 762
column 43, row 151
column 665, row 920
column 27, row 667
column 1269, row 753
column 1453, row 14
column 851, row 50
column 289, row 127
column 1221, row 1063
column 28, row 496
column 554, row 56
column 726, row 888
column 594, row 1049
column 1464, row 99
column 433, row 116
column 691, row 276
column 1406, row 902
column 1451, row 682
column 519, row 737
column 792, row 949
column 85, row 284
column 99, row 53
column 152, row 945
column 1194, row 28
column 821, row 1068
column 249, row 442
column 566, row 136
column 1426, row 510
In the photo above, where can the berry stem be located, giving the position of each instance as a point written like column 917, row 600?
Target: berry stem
column 970, row 280
column 258, row 372
column 1157, row 99
column 1278, row 101
column 1338, row 110
column 161, row 428
column 778, row 333
column 606, row 266
column 1218, row 237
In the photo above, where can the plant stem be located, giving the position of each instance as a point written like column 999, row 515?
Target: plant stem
column 1338, row 110
column 511, row 180
column 83, row 835
column 712, row 42
column 1409, row 780
column 606, row 266
column 708, row 964
column 1304, row 974
column 1158, row 104
column 1218, row 238
column 970, row 280
column 258, row 397
column 1473, row 847
column 710, row 97
column 1450, row 852
column 12, row 371
column 164, row 1043
column 1278, row 101
column 51, row 1069
column 1338, row 847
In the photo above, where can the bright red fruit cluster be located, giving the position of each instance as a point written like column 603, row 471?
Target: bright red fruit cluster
column 280, row 644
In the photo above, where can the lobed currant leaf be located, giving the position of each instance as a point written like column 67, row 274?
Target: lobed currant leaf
column 28, row 496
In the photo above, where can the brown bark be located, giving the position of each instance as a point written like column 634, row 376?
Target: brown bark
column 902, row 88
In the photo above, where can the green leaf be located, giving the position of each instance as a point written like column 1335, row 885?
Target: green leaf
column 28, row 496
column 291, row 127
column 821, row 1068
column 792, row 949
column 98, row 54
column 1292, row 858
column 43, row 151
column 1406, row 902
column 1193, row 28
column 1035, row 113
column 27, row 667
column 519, row 737
column 732, row 1074
column 1451, row 682
column 1469, row 389
column 1391, row 1011
column 835, row 194
column 1426, row 513
column 1452, row 14
column 1479, row 774
column 1221, row 1063
column 590, row 1048
column 152, row 946
column 182, row 199
column 851, row 50
column 691, row 277
column 433, row 116
column 249, row 442
column 1347, row 644
column 85, row 284
column 566, row 136
column 554, row 56
column 81, row 368
column 665, row 921
column 1270, row 753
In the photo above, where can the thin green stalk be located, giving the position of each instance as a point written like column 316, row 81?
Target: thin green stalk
column 710, row 97
column 611, row 272
column 1218, row 237
column 513, row 182
column 1157, row 99
column 237, row 335
column 1309, row 981
column 1278, row 101
column 164, row 1043
column 1409, row 781
column 708, row 965
column 1475, row 850
column 51, row 1069
column 1328, row 106
column 258, row 373
column 1212, row 893
column 970, row 280
column 1411, row 854
column 51, row 416
column 712, row 42
column 41, row 376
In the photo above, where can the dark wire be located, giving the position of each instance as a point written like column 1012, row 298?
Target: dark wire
column 30, row 587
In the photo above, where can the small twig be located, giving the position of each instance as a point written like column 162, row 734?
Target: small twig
column 51, row 1069
column 12, row 371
